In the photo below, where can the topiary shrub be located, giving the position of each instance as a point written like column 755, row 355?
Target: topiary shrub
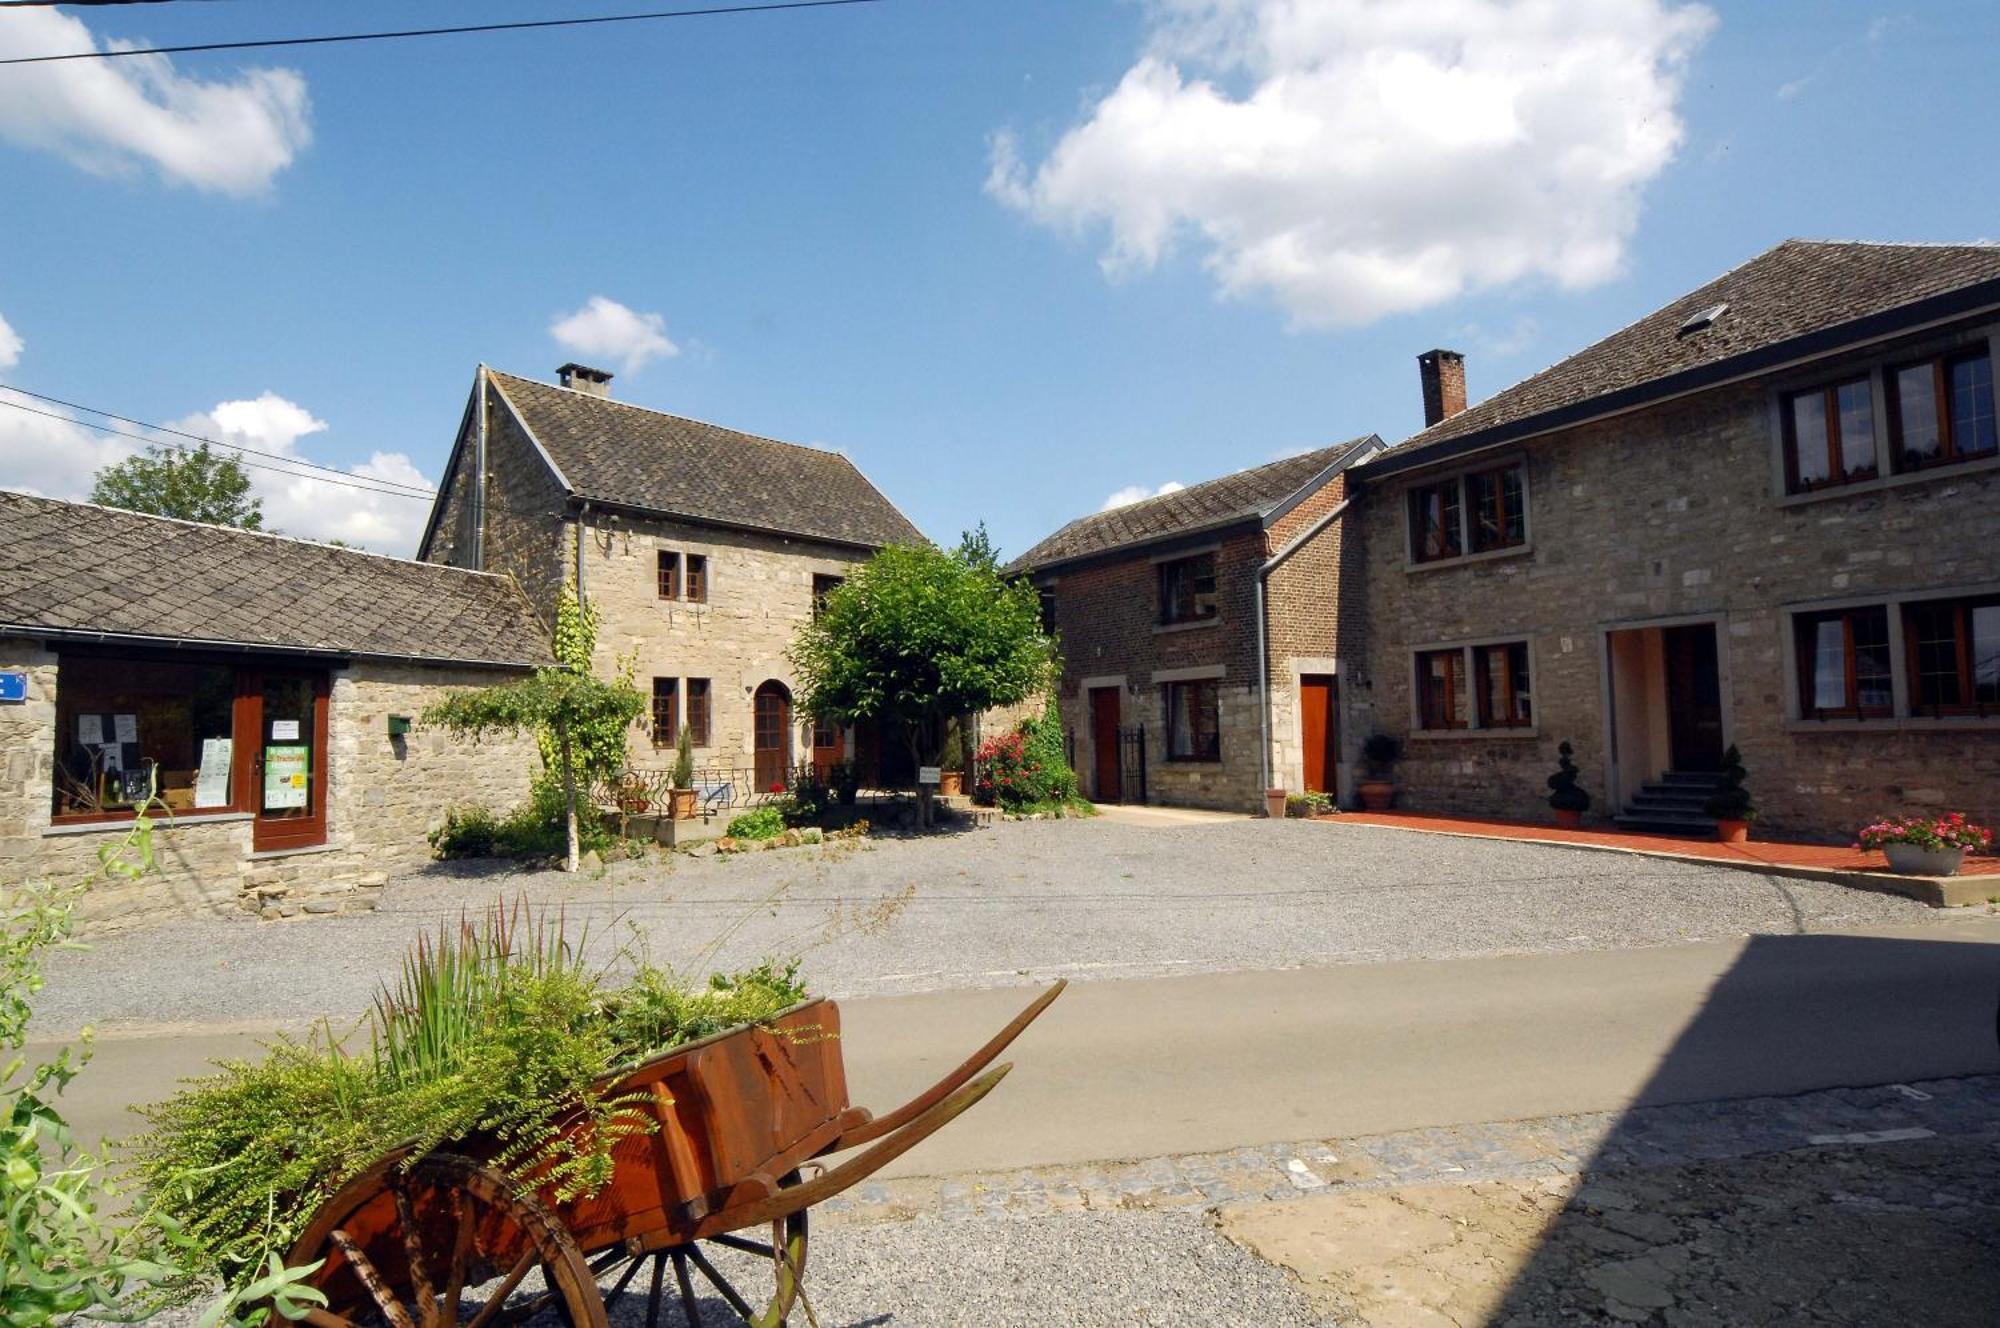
column 1732, row 802
column 1565, row 795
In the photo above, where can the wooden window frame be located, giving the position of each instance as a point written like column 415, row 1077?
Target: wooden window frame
column 700, row 718
column 1168, row 573
column 1949, row 453
column 668, row 690
column 1806, row 645
column 1454, row 683
column 1837, row 476
column 670, row 574
column 1213, row 687
column 694, row 582
column 1452, row 515
column 1482, row 656
column 1468, row 519
column 824, row 584
column 1961, row 610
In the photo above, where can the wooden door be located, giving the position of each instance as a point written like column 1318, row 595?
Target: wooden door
column 287, row 714
column 829, row 748
column 1694, row 697
column 1316, row 731
column 1106, row 785
column 773, row 737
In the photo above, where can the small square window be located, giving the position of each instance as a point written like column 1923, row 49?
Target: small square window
column 1441, row 698
column 1434, row 522
column 1187, row 589
column 666, row 711
column 1505, row 698
column 670, row 575
column 697, row 712
column 1193, row 720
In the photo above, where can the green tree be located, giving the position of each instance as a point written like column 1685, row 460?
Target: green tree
column 918, row 637
column 975, row 546
column 194, row 485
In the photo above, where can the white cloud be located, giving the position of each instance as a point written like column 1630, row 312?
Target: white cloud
column 606, row 329
column 110, row 116
column 11, row 345
column 1352, row 159
column 51, row 457
column 1133, row 493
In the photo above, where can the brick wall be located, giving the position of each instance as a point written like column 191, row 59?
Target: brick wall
column 1673, row 514
column 1302, row 597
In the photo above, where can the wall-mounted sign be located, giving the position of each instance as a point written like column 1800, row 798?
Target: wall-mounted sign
column 287, row 776
column 13, row 686
column 284, row 730
column 928, row 774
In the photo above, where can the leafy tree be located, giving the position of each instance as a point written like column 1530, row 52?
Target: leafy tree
column 917, row 637
column 975, row 546
column 194, row 485
column 579, row 721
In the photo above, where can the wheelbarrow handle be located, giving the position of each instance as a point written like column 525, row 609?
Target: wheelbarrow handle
column 951, row 1083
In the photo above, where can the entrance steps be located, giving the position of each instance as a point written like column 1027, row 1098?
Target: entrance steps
column 1672, row 805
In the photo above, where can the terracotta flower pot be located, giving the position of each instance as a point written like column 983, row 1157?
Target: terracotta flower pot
column 683, row 803
column 951, row 783
column 1914, row 860
column 1568, row 819
column 1274, row 804
column 1732, row 832
column 1377, row 794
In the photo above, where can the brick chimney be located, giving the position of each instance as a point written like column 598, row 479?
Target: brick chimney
column 597, row 382
column 1443, row 373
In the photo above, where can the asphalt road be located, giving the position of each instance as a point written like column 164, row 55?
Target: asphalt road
column 1140, row 1068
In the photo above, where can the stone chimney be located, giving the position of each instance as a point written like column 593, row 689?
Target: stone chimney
column 1443, row 373
column 597, row 382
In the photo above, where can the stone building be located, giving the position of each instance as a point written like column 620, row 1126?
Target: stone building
column 1202, row 625
column 703, row 550
column 262, row 685
column 1767, row 514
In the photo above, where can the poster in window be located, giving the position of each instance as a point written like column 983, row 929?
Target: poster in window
column 284, row 730
column 211, row 783
column 125, row 728
column 286, row 771
column 90, row 730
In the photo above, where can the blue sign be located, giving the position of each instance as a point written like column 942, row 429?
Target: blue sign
column 14, row 686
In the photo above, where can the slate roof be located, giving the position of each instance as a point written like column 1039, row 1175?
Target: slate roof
column 611, row 452
column 1783, row 300
column 1250, row 494
column 76, row 567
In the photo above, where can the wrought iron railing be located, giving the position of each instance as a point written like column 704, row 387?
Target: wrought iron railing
column 642, row 790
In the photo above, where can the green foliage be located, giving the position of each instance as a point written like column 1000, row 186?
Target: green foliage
column 497, row 1032
column 954, row 747
column 194, row 485
column 1045, row 748
column 1732, row 802
column 1027, row 770
column 766, row 822
column 535, row 831
column 597, row 740
column 1305, row 805
column 917, row 636
column 684, row 759
column 1381, row 751
column 975, row 549
column 1565, row 794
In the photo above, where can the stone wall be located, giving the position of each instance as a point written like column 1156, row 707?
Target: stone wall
column 1677, row 513
column 383, row 795
column 1302, row 603
column 760, row 592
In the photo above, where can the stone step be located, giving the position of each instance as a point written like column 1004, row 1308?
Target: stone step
column 1692, row 825
column 1692, row 778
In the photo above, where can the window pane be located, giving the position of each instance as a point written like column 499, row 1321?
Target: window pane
column 1517, row 657
column 1917, row 414
column 1440, row 674
column 162, row 724
column 1857, row 429
column 670, row 576
column 697, row 578
column 666, row 712
column 697, row 712
column 1187, row 589
column 1971, row 388
column 1986, row 654
column 1828, row 684
column 1434, row 521
column 1872, row 688
column 1809, row 437
column 1934, row 629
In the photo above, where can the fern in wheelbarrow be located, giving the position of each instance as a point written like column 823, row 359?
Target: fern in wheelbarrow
column 498, row 1029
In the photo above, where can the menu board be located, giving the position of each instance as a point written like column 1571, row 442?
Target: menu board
column 287, row 772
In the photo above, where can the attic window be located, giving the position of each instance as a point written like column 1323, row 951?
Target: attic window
column 1697, row 322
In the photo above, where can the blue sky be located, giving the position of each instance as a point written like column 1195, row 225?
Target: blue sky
column 1181, row 264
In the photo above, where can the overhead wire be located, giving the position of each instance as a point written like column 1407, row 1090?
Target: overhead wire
column 650, row 16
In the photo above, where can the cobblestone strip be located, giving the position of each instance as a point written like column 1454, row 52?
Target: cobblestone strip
column 1551, row 1147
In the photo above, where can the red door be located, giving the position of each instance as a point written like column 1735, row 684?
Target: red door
column 773, row 737
column 1316, row 731
column 286, row 713
column 1106, row 785
column 829, row 748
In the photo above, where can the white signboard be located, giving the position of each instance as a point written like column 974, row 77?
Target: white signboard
column 90, row 730
column 125, row 728
column 211, row 784
column 284, row 730
column 927, row 774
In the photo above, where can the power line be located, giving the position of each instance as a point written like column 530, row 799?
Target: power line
column 180, row 433
column 346, row 479
column 651, row 16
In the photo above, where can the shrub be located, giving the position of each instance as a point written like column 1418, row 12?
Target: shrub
column 1381, row 751
column 533, row 832
column 1927, row 832
column 765, row 823
column 1304, row 805
column 683, row 773
column 1731, row 802
column 1027, row 767
column 1565, row 795
column 954, row 748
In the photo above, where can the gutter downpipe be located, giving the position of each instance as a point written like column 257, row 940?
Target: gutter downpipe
column 1263, row 630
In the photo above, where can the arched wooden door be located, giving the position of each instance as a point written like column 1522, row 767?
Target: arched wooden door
column 773, row 751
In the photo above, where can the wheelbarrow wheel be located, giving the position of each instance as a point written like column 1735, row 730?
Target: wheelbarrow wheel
column 719, row 1265
column 449, row 1243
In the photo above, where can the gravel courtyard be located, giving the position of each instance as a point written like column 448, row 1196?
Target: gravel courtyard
column 1019, row 902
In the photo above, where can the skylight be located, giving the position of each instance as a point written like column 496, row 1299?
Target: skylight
column 1696, row 322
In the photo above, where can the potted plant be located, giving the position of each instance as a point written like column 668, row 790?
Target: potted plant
column 1380, row 751
column 951, row 778
column 1925, row 845
column 632, row 799
column 683, row 794
column 1569, row 800
column 1731, row 804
